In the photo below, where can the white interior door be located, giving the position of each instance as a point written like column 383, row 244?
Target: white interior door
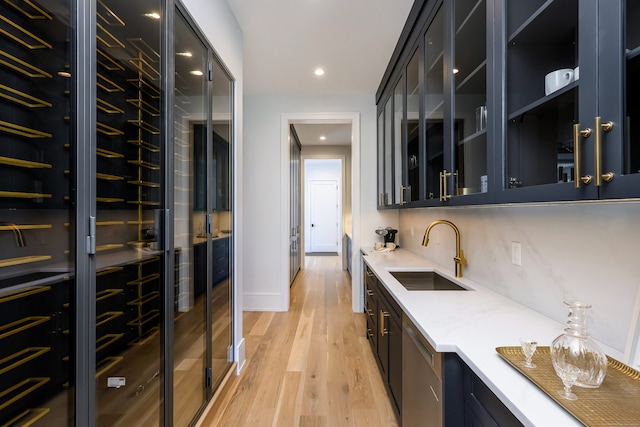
column 324, row 211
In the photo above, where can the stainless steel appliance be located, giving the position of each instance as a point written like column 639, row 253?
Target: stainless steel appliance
column 421, row 379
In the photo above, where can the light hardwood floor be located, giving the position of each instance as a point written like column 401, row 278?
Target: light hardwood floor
column 311, row 366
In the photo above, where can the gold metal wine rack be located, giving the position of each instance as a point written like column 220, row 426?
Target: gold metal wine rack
column 21, row 33
column 22, row 293
column 21, row 66
column 20, row 390
column 21, row 357
column 36, row 11
column 9, row 161
column 23, row 130
column 8, row 262
column 22, row 98
column 20, row 325
column 27, row 418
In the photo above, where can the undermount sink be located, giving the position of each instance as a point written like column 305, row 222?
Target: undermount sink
column 425, row 281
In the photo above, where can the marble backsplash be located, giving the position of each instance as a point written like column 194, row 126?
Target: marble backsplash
column 578, row 251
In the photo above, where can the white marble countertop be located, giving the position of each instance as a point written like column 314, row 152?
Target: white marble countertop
column 472, row 324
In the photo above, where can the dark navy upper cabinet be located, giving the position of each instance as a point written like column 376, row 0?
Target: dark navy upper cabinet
column 509, row 101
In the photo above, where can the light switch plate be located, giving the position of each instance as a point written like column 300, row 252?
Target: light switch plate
column 516, row 253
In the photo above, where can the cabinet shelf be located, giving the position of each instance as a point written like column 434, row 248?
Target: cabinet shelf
column 143, row 202
column 108, row 62
column 22, row 98
column 473, row 137
column 107, row 107
column 144, row 49
column 106, row 38
column 8, row 262
column 21, row 325
column 537, row 103
column 141, row 222
column 20, row 390
column 145, row 106
column 108, row 177
column 109, row 199
column 144, row 299
column 146, row 318
column 107, row 363
column 22, row 67
column 145, row 261
column 107, row 316
column 144, row 184
column 108, row 130
column 145, row 68
column 21, row 32
column 28, row 417
column 21, row 357
column 108, row 154
column 23, row 195
column 106, row 340
column 36, row 13
column 471, row 75
column 107, row 223
column 102, row 248
column 145, row 126
column 25, row 227
column 146, row 145
column 23, row 130
column 633, row 53
column 546, row 23
column 23, row 293
column 108, row 16
column 145, row 87
column 144, row 280
column 107, row 85
column 107, row 293
column 108, row 270
column 9, row 161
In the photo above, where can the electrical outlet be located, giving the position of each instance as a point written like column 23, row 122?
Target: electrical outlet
column 516, row 253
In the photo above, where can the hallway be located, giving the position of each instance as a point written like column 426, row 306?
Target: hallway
column 311, row 366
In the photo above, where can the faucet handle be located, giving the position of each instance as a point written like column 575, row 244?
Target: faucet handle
column 461, row 259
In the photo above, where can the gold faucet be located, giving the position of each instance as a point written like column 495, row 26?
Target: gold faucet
column 459, row 259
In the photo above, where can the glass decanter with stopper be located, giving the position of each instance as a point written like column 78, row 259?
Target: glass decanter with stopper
column 576, row 347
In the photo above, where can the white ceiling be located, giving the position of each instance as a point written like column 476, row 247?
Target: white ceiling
column 334, row 134
column 286, row 40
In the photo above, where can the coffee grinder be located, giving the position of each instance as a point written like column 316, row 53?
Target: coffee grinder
column 388, row 234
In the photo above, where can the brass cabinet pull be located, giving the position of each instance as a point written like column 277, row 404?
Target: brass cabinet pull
column 403, row 201
column 383, row 314
column 369, row 312
column 599, row 127
column 370, row 293
column 369, row 333
column 443, row 186
column 369, row 273
column 578, row 134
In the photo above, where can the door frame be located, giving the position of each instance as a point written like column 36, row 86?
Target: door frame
column 320, row 118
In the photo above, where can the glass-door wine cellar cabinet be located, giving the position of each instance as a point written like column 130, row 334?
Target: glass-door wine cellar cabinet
column 116, row 121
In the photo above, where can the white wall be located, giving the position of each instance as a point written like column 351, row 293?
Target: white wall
column 263, row 193
column 217, row 22
column 582, row 251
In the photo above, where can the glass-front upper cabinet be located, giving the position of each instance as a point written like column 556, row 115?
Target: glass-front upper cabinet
column 469, row 81
column 570, row 72
column 37, row 203
column 398, row 140
column 385, row 154
column 413, row 188
column 434, row 104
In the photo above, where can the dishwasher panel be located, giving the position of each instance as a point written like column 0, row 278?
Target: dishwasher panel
column 421, row 380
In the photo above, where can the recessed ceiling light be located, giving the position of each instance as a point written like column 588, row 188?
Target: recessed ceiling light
column 322, row 138
column 319, row 72
column 196, row 72
column 187, row 54
column 153, row 15
column 456, row 71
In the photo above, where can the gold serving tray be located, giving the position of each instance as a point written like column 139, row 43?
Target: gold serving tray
column 615, row 402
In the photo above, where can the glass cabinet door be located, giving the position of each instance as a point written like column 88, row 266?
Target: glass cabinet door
column 550, row 86
column 220, row 260
column 130, row 257
column 434, row 104
column 619, row 88
column 387, row 157
column 37, row 203
column 381, row 162
column 398, row 140
column 412, row 155
column 469, row 79
column 190, row 234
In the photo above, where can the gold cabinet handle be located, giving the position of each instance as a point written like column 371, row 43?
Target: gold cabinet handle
column 383, row 314
column 403, row 201
column 369, row 333
column 598, row 128
column 443, row 186
column 370, row 293
column 369, row 312
column 578, row 134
